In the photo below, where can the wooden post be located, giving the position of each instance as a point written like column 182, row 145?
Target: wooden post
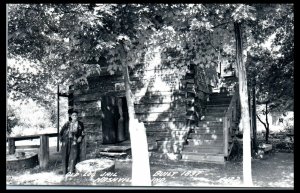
column 225, row 134
column 11, row 146
column 44, row 151
column 57, row 149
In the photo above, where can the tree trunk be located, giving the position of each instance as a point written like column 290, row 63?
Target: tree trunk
column 245, row 118
column 139, row 147
column 254, row 117
column 267, row 124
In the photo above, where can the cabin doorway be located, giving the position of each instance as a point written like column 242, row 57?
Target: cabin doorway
column 115, row 122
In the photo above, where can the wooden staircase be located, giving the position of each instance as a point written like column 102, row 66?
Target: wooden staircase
column 118, row 150
column 206, row 142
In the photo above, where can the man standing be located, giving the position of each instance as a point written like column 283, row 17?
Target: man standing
column 71, row 135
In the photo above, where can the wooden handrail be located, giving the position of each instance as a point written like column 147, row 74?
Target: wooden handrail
column 230, row 119
column 37, row 136
column 43, row 147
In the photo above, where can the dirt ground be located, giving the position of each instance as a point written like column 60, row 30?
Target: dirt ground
column 276, row 170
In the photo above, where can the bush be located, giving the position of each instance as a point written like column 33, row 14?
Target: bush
column 12, row 119
column 27, row 117
column 281, row 143
column 289, row 125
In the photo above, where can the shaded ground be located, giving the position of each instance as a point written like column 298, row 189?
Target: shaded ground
column 275, row 170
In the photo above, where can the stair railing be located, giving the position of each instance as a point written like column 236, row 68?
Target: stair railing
column 231, row 119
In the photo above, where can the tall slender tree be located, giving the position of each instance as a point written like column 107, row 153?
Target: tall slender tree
column 243, row 91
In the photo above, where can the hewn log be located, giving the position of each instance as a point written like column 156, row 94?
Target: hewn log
column 19, row 138
column 160, row 108
column 11, row 146
column 105, row 78
column 91, row 112
column 166, row 116
column 87, row 97
column 27, row 146
column 93, row 136
column 159, row 99
column 86, row 105
column 94, row 129
column 44, row 151
column 91, row 119
column 184, row 81
column 161, row 93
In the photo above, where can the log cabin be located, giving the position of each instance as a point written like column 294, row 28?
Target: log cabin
column 186, row 116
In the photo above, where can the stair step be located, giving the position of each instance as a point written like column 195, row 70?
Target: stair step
column 167, row 145
column 209, row 124
column 157, row 155
column 217, row 108
column 205, row 136
column 167, row 141
column 220, row 98
column 215, row 149
column 212, row 105
column 218, row 103
column 210, row 127
column 205, row 158
column 112, row 154
column 215, row 113
column 220, row 95
column 152, row 146
column 195, row 142
column 112, row 148
column 216, row 98
column 214, row 145
column 205, row 149
column 207, row 131
column 212, row 118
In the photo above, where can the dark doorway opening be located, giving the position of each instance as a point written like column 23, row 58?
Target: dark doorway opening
column 115, row 122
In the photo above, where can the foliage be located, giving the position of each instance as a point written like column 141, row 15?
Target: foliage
column 26, row 116
column 271, row 56
column 12, row 119
column 289, row 124
column 49, row 35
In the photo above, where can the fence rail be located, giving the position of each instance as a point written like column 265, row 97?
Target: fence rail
column 43, row 147
column 231, row 119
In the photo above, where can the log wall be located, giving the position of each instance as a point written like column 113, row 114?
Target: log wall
column 165, row 101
